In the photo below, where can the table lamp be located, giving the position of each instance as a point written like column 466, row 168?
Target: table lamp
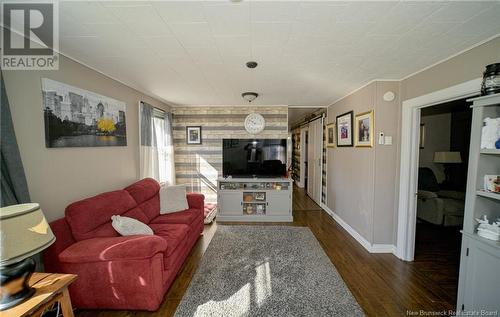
column 447, row 158
column 23, row 232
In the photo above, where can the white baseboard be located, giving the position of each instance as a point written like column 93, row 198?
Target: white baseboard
column 383, row 248
column 372, row 248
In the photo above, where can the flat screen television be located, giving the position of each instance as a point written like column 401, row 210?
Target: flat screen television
column 254, row 157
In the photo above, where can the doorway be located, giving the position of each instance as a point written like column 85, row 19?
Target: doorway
column 315, row 159
column 410, row 134
column 444, row 142
column 306, row 127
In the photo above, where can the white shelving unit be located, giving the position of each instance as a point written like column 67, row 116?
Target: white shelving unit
column 254, row 199
column 488, row 151
column 479, row 280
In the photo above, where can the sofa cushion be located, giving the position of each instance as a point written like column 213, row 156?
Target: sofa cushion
column 173, row 199
column 173, row 234
column 143, row 189
column 116, row 248
column 127, row 226
column 151, row 207
column 91, row 217
column 185, row 217
column 453, row 206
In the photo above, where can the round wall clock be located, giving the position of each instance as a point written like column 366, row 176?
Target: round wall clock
column 255, row 123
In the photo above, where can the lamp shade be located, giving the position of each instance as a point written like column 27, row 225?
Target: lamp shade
column 23, row 232
column 447, row 157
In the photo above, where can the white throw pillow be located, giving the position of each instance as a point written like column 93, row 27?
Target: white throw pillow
column 173, row 198
column 127, row 226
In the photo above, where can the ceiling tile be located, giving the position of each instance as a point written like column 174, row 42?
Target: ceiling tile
column 181, row 12
column 131, row 12
column 321, row 13
column 192, row 34
column 149, row 28
column 270, row 33
column 229, row 19
column 273, row 11
column 234, row 45
column 460, row 11
column 86, row 12
column 164, row 45
column 365, row 11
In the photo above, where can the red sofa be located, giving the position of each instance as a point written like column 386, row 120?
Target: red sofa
column 116, row 272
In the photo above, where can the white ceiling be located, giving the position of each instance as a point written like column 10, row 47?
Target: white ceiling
column 309, row 53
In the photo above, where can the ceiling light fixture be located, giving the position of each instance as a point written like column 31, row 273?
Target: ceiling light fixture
column 252, row 64
column 249, row 96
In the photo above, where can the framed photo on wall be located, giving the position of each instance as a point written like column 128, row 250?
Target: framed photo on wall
column 193, row 135
column 364, row 129
column 344, row 129
column 330, row 134
column 75, row 117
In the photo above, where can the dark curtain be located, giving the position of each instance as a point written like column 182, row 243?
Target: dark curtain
column 14, row 189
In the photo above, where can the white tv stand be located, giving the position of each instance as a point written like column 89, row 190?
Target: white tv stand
column 254, row 199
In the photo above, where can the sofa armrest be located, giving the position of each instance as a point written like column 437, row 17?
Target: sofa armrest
column 196, row 200
column 451, row 194
column 113, row 248
column 424, row 194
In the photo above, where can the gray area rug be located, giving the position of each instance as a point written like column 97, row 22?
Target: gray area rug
column 266, row 271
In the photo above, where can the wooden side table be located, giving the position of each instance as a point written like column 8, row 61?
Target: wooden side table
column 50, row 288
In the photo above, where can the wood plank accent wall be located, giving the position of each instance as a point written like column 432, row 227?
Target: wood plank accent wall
column 199, row 166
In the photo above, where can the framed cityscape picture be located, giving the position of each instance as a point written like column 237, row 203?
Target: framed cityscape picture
column 330, row 135
column 344, row 129
column 364, row 129
column 76, row 117
column 193, row 135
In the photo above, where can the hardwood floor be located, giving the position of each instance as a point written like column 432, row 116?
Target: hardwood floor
column 382, row 284
column 437, row 255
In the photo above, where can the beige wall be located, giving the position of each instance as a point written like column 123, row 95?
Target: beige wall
column 466, row 66
column 437, row 139
column 59, row 176
column 360, row 186
column 363, row 183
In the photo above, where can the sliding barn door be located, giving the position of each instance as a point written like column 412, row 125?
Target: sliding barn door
column 315, row 150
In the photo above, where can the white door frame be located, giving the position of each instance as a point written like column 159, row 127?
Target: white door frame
column 408, row 175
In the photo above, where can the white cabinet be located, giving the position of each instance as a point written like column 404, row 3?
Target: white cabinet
column 277, row 203
column 481, row 285
column 230, row 203
column 255, row 199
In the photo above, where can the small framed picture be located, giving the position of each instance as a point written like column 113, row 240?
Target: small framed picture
column 422, row 136
column 344, row 129
column 193, row 135
column 364, row 129
column 330, row 134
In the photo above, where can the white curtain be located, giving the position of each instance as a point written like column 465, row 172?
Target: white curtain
column 157, row 148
